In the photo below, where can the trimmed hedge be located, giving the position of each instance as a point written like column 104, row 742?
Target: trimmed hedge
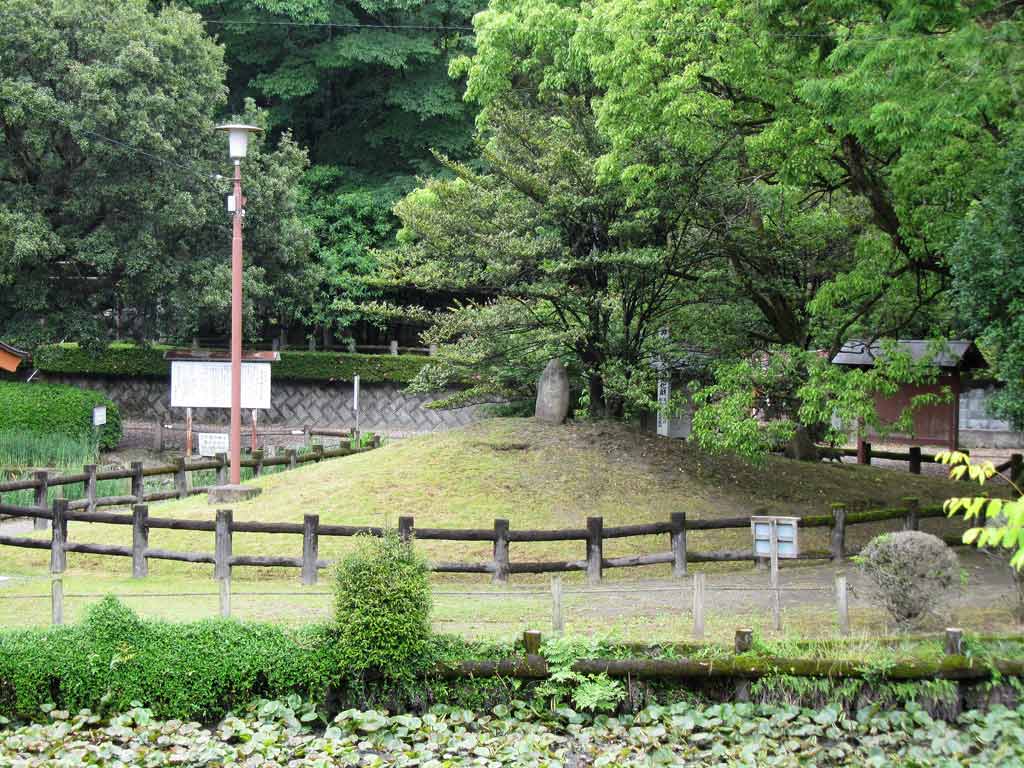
column 57, row 409
column 203, row 670
column 132, row 360
column 199, row 670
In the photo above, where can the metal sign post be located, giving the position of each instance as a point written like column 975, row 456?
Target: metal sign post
column 355, row 406
column 99, row 418
column 775, row 537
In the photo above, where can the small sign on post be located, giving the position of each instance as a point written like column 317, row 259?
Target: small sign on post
column 212, row 443
column 775, row 533
column 355, row 403
column 775, row 538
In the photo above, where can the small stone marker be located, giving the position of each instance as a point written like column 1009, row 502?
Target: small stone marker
column 553, row 394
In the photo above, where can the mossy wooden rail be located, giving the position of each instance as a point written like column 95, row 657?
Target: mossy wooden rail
column 502, row 535
column 1014, row 466
column 42, row 481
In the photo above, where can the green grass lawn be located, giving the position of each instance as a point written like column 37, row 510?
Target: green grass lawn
column 534, row 475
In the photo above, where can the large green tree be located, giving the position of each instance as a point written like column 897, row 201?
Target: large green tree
column 362, row 83
column 989, row 277
column 111, row 212
column 907, row 105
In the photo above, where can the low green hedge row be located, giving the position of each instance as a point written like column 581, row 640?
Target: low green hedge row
column 197, row 670
column 131, row 360
column 202, row 670
column 57, row 409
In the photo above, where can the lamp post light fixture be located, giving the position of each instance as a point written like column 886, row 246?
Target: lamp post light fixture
column 238, row 145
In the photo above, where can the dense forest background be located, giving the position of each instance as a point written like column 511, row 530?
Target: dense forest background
column 731, row 188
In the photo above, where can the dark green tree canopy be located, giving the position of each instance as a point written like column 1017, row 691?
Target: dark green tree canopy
column 362, row 83
column 111, row 211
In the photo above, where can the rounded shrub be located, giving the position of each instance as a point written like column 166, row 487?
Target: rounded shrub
column 57, row 409
column 382, row 606
column 911, row 573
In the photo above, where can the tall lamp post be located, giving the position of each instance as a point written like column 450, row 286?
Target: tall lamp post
column 238, row 144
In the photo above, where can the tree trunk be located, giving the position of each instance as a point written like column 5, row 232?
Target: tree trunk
column 595, row 389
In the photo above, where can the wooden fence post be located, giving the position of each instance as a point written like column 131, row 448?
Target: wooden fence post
column 225, row 596
column 838, row 532
column 140, row 541
column 138, row 483
column 222, row 545
column 58, row 536
column 912, row 521
column 223, row 469
column 842, row 604
column 678, row 541
column 405, row 525
column 158, row 435
column 595, row 549
column 954, row 641
column 744, row 640
column 257, row 468
column 915, row 460
column 307, row 436
column 293, row 457
column 42, row 493
column 557, row 618
column 310, row 548
column 180, row 478
column 1016, row 468
column 56, row 599
column 500, row 551
column 698, row 606
column 531, row 642
column 90, row 487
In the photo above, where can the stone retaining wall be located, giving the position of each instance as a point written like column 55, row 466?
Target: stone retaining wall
column 382, row 407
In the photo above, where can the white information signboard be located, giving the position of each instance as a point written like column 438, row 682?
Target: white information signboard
column 204, row 384
column 784, row 536
column 99, row 415
column 212, row 443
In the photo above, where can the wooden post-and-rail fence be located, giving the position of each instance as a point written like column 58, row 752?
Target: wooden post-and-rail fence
column 42, row 482
column 1013, row 467
column 501, row 535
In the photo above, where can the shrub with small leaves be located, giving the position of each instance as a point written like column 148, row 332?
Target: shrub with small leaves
column 382, row 606
column 911, row 573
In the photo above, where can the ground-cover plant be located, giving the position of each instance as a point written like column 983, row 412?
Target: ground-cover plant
column 683, row 734
column 911, row 573
column 54, row 409
column 382, row 606
column 22, row 449
column 564, row 686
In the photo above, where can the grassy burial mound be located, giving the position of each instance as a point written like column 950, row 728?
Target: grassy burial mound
column 535, row 476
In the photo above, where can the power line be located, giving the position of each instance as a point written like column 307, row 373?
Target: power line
column 207, row 178
column 836, row 37
column 333, row 25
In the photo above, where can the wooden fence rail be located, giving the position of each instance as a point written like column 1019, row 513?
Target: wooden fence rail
column 501, row 535
column 41, row 482
column 1014, row 466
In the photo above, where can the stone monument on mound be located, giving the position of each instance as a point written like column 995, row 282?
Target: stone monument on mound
column 553, row 394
